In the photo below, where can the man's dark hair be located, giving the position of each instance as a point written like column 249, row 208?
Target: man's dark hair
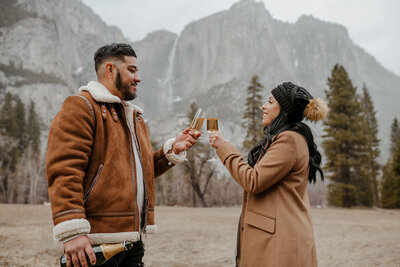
column 114, row 50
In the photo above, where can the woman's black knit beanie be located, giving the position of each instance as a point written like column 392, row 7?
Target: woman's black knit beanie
column 293, row 99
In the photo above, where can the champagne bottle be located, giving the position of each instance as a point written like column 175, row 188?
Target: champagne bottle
column 103, row 252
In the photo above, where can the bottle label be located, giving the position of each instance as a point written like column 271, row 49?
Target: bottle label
column 111, row 250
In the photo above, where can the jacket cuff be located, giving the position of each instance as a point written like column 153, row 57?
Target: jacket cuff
column 111, row 238
column 172, row 157
column 151, row 229
column 72, row 237
column 70, row 228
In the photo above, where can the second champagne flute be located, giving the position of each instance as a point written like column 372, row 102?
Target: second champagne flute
column 212, row 125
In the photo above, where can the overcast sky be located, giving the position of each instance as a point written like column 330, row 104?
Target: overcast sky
column 372, row 24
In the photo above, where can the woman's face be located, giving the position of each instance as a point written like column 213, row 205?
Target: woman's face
column 271, row 110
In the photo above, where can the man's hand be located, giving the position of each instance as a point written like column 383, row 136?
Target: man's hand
column 76, row 251
column 185, row 140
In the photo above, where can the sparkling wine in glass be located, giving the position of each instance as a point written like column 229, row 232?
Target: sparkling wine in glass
column 197, row 121
column 212, row 126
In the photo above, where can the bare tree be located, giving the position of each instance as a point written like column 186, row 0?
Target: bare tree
column 30, row 175
column 200, row 172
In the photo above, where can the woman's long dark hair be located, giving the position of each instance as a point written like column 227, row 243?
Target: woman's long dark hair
column 281, row 124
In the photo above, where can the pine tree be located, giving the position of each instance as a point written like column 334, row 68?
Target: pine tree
column 20, row 130
column 8, row 128
column 33, row 128
column 371, row 127
column 394, row 134
column 8, row 148
column 252, row 117
column 389, row 188
column 391, row 172
column 7, row 121
column 344, row 143
column 396, row 171
column 16, row 135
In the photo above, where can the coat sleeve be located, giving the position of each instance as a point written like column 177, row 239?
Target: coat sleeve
column 68, row 151
column 273, row 166
column 163, row 161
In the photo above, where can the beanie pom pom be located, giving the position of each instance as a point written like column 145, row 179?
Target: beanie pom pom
column 316, row 110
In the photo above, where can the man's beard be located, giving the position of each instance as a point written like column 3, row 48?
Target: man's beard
column 125, row 89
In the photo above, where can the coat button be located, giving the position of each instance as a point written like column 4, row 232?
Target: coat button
column 169, row 163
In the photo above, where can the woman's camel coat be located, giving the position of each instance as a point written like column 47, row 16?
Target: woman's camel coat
column 275, row 226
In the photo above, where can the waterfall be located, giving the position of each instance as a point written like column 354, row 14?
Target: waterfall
column 168, row 77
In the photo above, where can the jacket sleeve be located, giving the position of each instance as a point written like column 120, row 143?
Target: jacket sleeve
column 273, row 166
column 161, row 163
column 68, row 151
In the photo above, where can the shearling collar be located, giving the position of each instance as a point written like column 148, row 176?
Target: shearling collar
column 101, row 94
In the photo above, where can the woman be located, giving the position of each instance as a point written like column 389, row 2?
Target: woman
column 275, row 226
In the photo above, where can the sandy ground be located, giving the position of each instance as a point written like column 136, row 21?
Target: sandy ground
column 206, row 237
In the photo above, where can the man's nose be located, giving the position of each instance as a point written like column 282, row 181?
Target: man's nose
column 137, row 78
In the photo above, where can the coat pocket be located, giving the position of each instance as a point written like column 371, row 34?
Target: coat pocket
column 87, row 195
column 260, row 221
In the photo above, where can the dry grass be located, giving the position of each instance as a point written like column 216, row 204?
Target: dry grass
column 206, row 237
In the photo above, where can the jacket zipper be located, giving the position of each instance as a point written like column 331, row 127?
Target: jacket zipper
column 133, row 166
column 93, row 183
column 145, row 204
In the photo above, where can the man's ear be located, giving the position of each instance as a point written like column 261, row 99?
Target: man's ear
column 109, row 70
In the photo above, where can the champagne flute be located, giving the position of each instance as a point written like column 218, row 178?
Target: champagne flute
column 212, row 125
column 197, row 121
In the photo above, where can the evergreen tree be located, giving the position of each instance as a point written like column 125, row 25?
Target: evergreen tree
column 8, row 128
column 396, row 171
column 371, row 127
column 389, row 187
column 7, row 121
column 20, row 132
column 8, row 147
column 345, row 143
column 395, row 147
column 33, row 128
column 391, row 171
column 252, row 117
column 16, row 135
column 394, row 134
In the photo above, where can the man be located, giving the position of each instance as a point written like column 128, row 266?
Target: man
column 100, row 164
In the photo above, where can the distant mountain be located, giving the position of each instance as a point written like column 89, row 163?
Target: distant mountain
column 213, row 59
column 47, row 48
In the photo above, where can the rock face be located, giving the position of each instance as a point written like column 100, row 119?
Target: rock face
column 47, row 48
column 214, row 58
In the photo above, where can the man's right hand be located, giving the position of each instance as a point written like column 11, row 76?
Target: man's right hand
column 76, row 251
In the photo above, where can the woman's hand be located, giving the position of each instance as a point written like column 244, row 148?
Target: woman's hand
column 216, row 139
